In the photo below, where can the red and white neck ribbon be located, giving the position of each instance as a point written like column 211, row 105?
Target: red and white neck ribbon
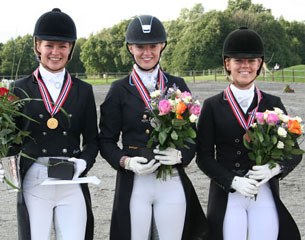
column 236, row 109
column 50, row 106
column 142, row 89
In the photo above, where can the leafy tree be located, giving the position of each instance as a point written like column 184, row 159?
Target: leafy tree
column 17, row 57
column 122, row 59
column 255, row 16
column 178, row 55
column 245, row 5
column 296, row 34
column 76, row 65
column 89, row 55
column 174, row 31
column 1, row 47
column 200, row 41
column 195, row 42
column 276, row 51
column 102, row 52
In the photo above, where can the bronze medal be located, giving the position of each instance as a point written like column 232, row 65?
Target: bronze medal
column 52, row 123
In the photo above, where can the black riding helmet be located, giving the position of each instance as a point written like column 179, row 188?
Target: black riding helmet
column 243, row 43
column 145, row 29
column 55, row 25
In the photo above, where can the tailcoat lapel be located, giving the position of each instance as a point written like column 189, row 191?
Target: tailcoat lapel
column 130, row 87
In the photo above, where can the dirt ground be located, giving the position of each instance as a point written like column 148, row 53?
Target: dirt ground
column 292, row 187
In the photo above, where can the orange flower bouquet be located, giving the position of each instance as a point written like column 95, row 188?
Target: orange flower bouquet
column 273, row 137
column 173, row 117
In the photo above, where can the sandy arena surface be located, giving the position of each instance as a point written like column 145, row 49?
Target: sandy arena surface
column 292, row 187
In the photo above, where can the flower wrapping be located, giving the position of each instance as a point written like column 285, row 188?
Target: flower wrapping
column 173, row 118
column 273, row 137
column 10, row 134
column 12, row 176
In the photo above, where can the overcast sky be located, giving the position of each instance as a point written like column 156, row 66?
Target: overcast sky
column 18, row 17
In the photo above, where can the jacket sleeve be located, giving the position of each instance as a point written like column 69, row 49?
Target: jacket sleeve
column 110, row 126
column 206, row 149
column 89, row 132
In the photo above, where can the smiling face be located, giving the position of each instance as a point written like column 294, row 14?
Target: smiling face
column 147, row 55
column 243, row 71
column 53, row 54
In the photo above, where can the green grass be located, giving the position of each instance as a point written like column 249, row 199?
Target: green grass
column 99, row 81
column 290, row 74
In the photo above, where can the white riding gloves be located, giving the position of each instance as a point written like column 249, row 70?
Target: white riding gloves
column 169, row 156
column 140, row 166
column 79, row 166
column 245, row 186
column 2, row 173
column 264, row 173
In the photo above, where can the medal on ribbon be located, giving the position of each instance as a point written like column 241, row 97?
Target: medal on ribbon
column 141, row 88
column 236, row 110
column 53, row 108
column 52, row 123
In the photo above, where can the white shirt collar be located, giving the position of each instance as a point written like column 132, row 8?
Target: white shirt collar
column 149, row 79
column 244, row 97
column 53, row 81
column 49, row 76
column 242, row 92
column 145, row 74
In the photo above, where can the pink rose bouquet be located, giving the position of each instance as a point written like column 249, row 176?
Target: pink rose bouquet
column 173, row 117
column 273, row 137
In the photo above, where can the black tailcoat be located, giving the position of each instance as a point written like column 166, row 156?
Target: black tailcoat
column 123, row 113
column 76, row 136
column 222, row 156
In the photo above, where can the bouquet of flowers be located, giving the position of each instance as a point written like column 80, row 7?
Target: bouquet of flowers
column 273, row 137
column 10, row 134
column 174, row 114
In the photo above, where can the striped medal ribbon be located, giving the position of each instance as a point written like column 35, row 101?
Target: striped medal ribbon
column 237, row 112
column 141, row 88
column 52, row 108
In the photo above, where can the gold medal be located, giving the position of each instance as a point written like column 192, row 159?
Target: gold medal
column 52, row 123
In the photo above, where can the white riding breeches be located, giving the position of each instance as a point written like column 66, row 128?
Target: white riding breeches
column 167, row 201
column 63, row 205
column 250, row 219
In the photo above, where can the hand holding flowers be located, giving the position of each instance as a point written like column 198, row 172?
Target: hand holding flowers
column 169, row 156
column 173, row 116
column 263, row 173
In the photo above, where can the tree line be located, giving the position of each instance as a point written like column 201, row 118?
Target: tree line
column 195, row 42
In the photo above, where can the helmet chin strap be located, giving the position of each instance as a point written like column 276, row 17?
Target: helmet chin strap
column 147, row 70
column 246, row 86
column 250, row 83
column 52, row 70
